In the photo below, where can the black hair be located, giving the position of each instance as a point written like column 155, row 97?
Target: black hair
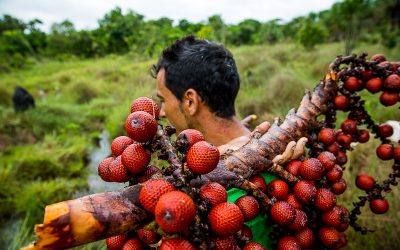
column 207, row 67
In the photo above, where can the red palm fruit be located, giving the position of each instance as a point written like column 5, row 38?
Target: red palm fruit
column 335, row 217
column 288, row 243
column 133, row 244
column 116, row 242
column 379, row 206
column 176, row 244
column 385, row 152
column 299, row 222
column 174, row 211
column 118, row 172
column 329, row 237
column 141, row 126
column 343, row 226
column 342, row 240
column 378, row 58
column 278, row 189
column 104, row 170
column 353, row 84
column 326, row 136
column 344, row 140
column 341, row 102
column 151, row 192
column 327, row 159
column 293, row 167
column 227, row 242
column 384, row 130
column 135, row 158
column 367, row 74
column 249, row 207
column 225, row 218
column 396, row 153
column 282, row 213
column 374, row 85
column 335, row 174
column 246, row 233
column 325, row 199
column 384, row 64
column 259, row 182
column 341, row 158
column 305, row 191
column 202, row 157
column 365, row 182
column 119, row 144
column 339, row 187
column 214, row 193
column 146, row 175
column 389, row 98
column 148, row 236
column 253, row 246
column 305, row 237
column 311, row 169
column 147, row 105
column 333, row 148
column 363, row 136
column 392, row 82
column 349, row 126
column 191, row 135
column 292, row 200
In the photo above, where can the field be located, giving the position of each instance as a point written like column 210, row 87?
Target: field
column 45, row 153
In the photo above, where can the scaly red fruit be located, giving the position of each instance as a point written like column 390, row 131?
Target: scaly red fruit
column 378, row 58
column 384, row 64
column 118, row 172
column 293, row 167
column 392, row 82
column 225, row 218
column 191, row 135
column 282, row 213
column 278, row 189
column 344, row 140
column 133, row 244
column 311, row 169
column 253, row 246
column 119, row 144
column 339, row 187
column 385, row 152
column 246, row 233
column 379, row 206
column 116, row 242
column 141, row 126
column 135, row 158
column 202, row 157
column 335, row 217
column 146, row 175
column 374, row 85
column 175, row 211
column 396, row 153
column 305, row 237
column 327, row 136
column 365, row 182
column 341, row 102
column 349, row 126
column 335, row 174
column 305, row 191
column 147, row 105
column 288, row 243
column 329, row 237
column 325, row 199
column 259, row 182
column 327, row 159
column 299, row 222
column 353, row 84
column 104, row 170
column 384, row 130
column 333, row 148
column 363, row 136
column 151, row 192
column 214, row 193
column 292, row 200
column 228, row 242
column 148, row 236
column 341, row 158
column 389, row 98
column 249, row 207
column 176, row 244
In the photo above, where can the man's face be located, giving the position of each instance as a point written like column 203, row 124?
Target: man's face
column 170, row 105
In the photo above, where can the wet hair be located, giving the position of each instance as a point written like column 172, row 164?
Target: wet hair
column 207, row 67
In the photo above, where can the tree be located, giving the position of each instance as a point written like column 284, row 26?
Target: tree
column 311, row 34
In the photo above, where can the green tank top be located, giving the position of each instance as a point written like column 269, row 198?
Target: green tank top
column 258, row 225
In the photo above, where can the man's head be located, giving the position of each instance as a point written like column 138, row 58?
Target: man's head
column 196, row 78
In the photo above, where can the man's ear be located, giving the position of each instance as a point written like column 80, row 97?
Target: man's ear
column 191, row 101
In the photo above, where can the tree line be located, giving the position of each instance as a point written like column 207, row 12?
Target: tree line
column 350, row 21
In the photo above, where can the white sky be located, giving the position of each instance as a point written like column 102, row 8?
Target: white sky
column 85, row 13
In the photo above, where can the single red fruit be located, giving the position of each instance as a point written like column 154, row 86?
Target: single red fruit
column 151, row 192
column 147, row 105
column 259, row 182
column 396, row 153
column 282, row 213
column 292, row 200
column 385, row 152
column 326, row 136
column 148, row 173
column 384, row 130
column 202, row 157
column 249, row 207
column 329, row 237
column 363, row 136
column 305, row 191
column 353, row 84
column 389, row 98
column 141, row 126
column 299, row 222
column 384, row 64
column 365, row 182
column 288, row 243
column 325, row 199
column 333, row 148
column 293, row 167
column 367, row 74
column 176, row 244
column 253, row 246
column 374, row 85
column 214, row 193
column 311, row 169
column 305, row 237
column 378, row 58
column 341, row 102
column 335, row 174
column 116, row 242
column 148, row 236
column 336, row 216
column 175, row 211
column 118, row 172
column 278, row 189
column 191, row 135
column 133, row 244
column 349, row 126
column 339, row 187
column 341, row 158
column 344, row 140
column 228, row 242
column 392, row 82
column 246, row 232
column 379, row 206
column 135, row 157
column 119, row 144
column 225, row 218
column 327, row 159
column 104, row 170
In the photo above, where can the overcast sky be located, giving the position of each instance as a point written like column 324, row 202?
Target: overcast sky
column 85, row 13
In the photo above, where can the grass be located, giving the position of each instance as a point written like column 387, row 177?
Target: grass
column 44, row 151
